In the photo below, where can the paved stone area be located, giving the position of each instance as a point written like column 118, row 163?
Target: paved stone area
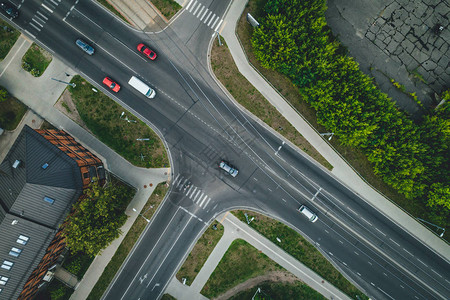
column 399, row 40
column 416, row 33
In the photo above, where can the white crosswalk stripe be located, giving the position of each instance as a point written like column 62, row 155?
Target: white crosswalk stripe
column 203, row 15
column 199, row 11
column 195, row 3
column 207, row 17
column 212, row 18
column 187, row 7
column 196, row 195
column 199, row 5
column 193, row 192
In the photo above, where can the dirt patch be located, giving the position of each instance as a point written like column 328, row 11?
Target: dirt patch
column 274, row 276
column 66, row 105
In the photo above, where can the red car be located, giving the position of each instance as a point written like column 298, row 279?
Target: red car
column 111, row 84
column 146, row 51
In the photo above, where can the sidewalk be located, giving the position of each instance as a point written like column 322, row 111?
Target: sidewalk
column 40, row 95
column 235, row 229
column 341, row 170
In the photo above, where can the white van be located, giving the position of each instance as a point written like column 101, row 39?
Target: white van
column 142, row 87
column 308, row 213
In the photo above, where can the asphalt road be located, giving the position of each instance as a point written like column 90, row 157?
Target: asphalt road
column 201, row 126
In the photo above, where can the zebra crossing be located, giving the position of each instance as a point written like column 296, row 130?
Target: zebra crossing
column 205, row 15
column 194, row 193
column 39, row 19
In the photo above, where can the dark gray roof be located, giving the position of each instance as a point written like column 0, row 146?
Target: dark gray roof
column 29, row 258
column 22, row 192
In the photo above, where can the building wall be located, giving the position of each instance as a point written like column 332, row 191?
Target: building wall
column 88, row 163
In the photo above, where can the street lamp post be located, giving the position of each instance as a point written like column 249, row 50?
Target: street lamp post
column 328, row 134
column 438, row 227
column 148, row 221
column 68, row 83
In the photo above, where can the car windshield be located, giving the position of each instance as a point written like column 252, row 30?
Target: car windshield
column 112, row 85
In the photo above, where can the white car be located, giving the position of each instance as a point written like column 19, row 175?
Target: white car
column 224, row 165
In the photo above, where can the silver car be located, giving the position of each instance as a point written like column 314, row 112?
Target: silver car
column 85, row 46
column 224, row 165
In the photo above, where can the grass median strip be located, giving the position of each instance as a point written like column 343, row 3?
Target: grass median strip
column 200, row 253
column 116, row 127
column 128, row 242
column 245, row 93
column 298, row 247
column 240, row 263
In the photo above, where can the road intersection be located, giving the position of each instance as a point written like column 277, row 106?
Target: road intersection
column 200, row 126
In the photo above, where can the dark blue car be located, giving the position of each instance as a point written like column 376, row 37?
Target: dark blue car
column 85, row 46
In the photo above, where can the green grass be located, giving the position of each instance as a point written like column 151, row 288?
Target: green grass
column 200, row 253
column 285, row 291
column 112, row 9
column 8, row 37
column 102, row 116
column 36, row 60
column 167, row 7
column 11, row 113
column 240, row 263
column 294, row 244
column 64, row 104
column 128, row 242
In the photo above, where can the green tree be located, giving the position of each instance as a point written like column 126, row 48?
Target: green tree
column 439, row 195
column 3, row 94
column 96, row 219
